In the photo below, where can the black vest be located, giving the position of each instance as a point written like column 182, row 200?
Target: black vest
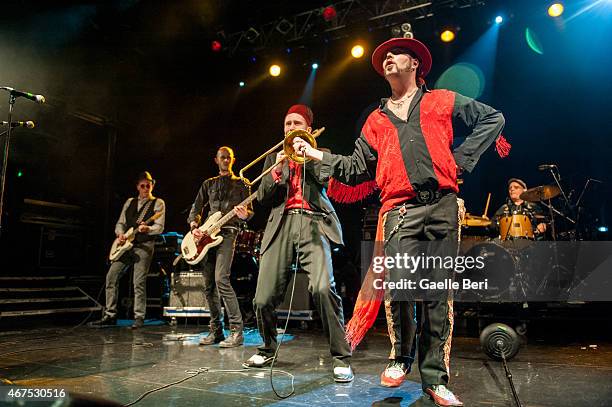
column 132, row 214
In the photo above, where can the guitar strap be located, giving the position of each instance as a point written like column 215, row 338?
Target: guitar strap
column 143, row 211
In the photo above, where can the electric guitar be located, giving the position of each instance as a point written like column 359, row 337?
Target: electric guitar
column 117, row 249
column 194, row 249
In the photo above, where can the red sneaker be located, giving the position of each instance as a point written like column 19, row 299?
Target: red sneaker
column 394, row 374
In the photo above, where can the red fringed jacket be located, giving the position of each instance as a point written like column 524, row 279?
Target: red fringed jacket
column 404, row 156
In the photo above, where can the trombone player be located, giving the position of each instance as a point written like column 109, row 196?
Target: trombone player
column 301, row 225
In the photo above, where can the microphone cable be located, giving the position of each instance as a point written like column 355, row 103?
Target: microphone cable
column 295, row 270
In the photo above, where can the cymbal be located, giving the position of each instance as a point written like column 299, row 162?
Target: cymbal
column 541, row 193
column 475, row 221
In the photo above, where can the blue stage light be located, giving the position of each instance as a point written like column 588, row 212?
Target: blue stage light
column 242, row 84
column 315, row 65
column 602, row 229
column 499, row 20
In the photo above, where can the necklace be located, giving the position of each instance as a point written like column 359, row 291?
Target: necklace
column 399, row 103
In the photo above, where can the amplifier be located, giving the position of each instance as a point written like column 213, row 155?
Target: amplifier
column 187, row 296
column 302, row 308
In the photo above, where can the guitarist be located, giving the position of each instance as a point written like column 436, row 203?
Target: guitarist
column 133, row 214
column 221, row 193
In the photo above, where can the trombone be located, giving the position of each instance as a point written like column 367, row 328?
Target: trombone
column 287, row 144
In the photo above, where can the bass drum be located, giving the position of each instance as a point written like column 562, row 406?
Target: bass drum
column 500, row 271
column 243, row 277
column 248, row 242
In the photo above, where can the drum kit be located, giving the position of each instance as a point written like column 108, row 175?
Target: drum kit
column 245, row 265
column 504, row 243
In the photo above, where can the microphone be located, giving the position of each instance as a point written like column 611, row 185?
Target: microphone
column 544, row 167
column 29, row 124
column 18, row 93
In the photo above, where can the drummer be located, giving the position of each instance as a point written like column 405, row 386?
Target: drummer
column 516, row 206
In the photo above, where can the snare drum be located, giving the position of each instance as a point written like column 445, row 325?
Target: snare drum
column 516, row 226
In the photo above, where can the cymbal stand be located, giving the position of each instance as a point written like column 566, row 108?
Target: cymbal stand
column 555, row 265
column 557, row 178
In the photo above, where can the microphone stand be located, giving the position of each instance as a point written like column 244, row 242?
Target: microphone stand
column 508, row 374
column 557, row 181
column 5, row 156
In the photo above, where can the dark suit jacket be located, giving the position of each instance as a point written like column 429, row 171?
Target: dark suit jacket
column 274, row 195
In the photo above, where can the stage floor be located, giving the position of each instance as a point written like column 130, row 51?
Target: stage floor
column 119, row 364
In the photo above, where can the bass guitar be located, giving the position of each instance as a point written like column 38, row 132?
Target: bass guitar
column 194, row 249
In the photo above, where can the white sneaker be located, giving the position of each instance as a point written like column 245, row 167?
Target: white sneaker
column 343, row 374
column 258, row 360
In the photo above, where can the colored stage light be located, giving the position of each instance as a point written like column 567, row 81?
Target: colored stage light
column 329, row 13
column 315, row 65
column 242, row 84
column 275, row 70
column 499, row 20
column 602, row 229
column 357, row 51
column 216, row 46
column 447, row 36
column 555, row 10
column 19, row 174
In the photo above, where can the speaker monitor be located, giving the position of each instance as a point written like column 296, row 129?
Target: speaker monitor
column 302, row 306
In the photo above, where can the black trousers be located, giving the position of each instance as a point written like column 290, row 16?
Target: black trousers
column 422, row 223
column 216, row 270
column 275, row 274
column 140, row 257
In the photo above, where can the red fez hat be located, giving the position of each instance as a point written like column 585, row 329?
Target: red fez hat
column 303, row 111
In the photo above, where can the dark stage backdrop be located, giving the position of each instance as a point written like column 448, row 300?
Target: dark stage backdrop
column 145, row 70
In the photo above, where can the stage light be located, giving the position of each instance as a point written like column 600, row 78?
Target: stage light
column 251, row 35
column 216, row 46
column 447, row 36
column 253, row 59
column 19, row 174
column 499, row 20
column 357, row 51
column 242, row 84
column 329, row 13
column 288, row 50
column 284, row 26
column 407, row 30
column 315, row 65
column 275, row 70
column 602, row 229
column 555, row 10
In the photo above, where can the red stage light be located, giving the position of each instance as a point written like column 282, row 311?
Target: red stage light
column 329, row 13
column 216, row 46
